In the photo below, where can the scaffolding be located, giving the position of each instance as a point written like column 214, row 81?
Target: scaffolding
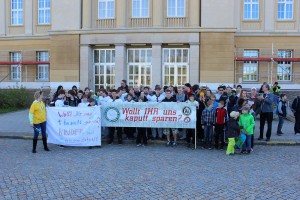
column 267, row 61
column 27, row 65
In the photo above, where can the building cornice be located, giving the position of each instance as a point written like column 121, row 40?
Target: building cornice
column 25, row 37
column 267, row 34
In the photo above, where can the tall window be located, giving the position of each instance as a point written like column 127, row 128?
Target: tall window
column 43, row 11
column 43, row 69
column 16, row 12
column 175, row 66
column 140, row 8
column 250, row 68
column 106, row 9
column 104, row 63
column 139, row 67
column 251, row 9
column 15, row 68
column 284, row 70
column 285, row 9
column 176, row 8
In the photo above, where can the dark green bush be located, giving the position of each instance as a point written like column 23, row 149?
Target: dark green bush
column 18, row 97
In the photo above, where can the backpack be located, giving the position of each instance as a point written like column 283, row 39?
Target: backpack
column 295, row 105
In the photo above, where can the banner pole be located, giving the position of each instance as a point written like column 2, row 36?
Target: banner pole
column 196, row 138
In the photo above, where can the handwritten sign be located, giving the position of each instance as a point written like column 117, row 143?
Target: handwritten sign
column 74, row 126
column 156, row 115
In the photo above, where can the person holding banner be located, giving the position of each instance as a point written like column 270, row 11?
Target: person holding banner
column 37, row 119
column 115, row 99
column 141, row 131
column 190, row 133
column 166, row 131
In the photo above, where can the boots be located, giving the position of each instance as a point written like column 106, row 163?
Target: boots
column 34, row 145
column 45, row 144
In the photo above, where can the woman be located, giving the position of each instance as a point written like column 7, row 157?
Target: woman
column 37, row 119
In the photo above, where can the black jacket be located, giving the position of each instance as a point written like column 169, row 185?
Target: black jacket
column 233, row 128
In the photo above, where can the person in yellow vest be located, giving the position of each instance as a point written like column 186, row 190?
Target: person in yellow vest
column 37, row 119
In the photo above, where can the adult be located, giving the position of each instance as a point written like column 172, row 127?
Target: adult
column 124, row 86
column 55, row 95
column 296, row 111
column 37, row 119
column 221, row 96
column 238, row 90
column 266, row 113
column 261, row 88
column 188, row 89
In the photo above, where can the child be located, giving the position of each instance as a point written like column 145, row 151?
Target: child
column 190, row 133
column 84, row 101
column 60, row 100
column 281, row 113
column 208, row 120
column 247, row 121
column 141, row 132
column 72, row 101
column 37, row 118
column 214, row 102
column 233, row 128
column 221, row 118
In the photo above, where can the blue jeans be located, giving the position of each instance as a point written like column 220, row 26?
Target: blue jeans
column 42, row 127
column 155, row 132
column 280, row 124
column 247, row 143
column 208, row 134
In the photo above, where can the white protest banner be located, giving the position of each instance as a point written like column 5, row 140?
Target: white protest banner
column 74, row 126
column 149, row 114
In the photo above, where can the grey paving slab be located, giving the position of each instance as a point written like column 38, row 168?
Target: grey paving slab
column 152, row 172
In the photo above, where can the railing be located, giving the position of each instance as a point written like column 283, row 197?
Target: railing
column 105, row 23
column 4, row 77
column 176, row 22
column 140, row 22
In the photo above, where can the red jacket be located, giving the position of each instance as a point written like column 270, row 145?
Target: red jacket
column 221, row 116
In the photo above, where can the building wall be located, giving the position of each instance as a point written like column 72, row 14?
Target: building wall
column 217, row 58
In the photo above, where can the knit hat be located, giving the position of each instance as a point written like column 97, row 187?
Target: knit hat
column 245, row 108
column 234, row 114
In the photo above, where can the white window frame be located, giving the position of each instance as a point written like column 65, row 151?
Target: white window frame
column 283, row 65
column 105, row 10
column 102, row 62
column 176, row 7
column 285, row 4
column 139, row 9
column 43, row 69
column 16, row 70
column 44, row 7
column 141, row 63
column 249, row 66
column 252, row 4
column 17, row 19
column 176, row 65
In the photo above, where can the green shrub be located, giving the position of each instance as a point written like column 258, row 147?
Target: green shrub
column 15, row 98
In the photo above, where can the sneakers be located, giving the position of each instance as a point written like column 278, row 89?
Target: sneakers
column 174, row 144
column 168, row 143
column 260, row 138
column 297, row 134
column 138, row 145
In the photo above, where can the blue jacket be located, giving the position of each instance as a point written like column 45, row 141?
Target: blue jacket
column 267, row 104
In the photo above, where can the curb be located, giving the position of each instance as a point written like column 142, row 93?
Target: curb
column 270, row 143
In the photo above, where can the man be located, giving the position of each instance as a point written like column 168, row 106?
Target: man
column 124, row 86
column 181, row 97
column 296, row 111
column 221, row 96
column 137, row 91
column 166, row 131
column 267, row 102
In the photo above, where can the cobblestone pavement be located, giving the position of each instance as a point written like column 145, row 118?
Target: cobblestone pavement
column 152, row 172
column 17, row 124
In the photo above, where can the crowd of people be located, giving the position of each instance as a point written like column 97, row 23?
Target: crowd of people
column 227, row 114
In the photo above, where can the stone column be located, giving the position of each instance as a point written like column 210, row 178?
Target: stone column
column 156, row 65
column 121, row 67
column 194, row 72
column 28, row 16
column 86, row 72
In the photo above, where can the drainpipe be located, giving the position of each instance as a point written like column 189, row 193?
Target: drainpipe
column 200, row 9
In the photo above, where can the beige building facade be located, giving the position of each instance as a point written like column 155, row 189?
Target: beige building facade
column 98, row 43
